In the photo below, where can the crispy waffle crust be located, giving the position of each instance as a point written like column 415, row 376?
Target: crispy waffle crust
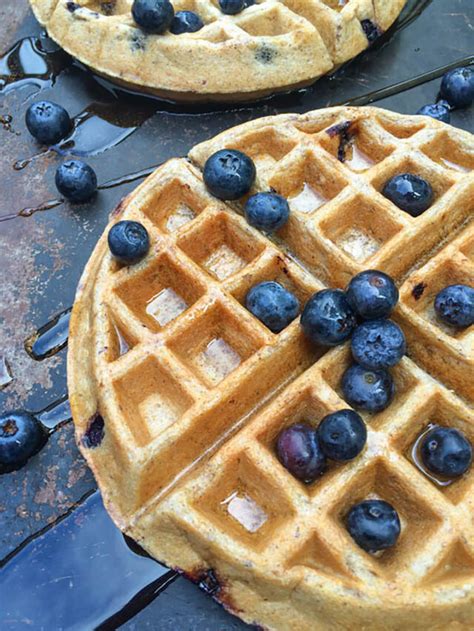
column 178, row 392
column 273, row 45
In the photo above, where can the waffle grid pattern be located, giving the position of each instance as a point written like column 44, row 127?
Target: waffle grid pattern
column 243, row 508
column 276, row 38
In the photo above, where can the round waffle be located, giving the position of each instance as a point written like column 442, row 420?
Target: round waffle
column 272, row 45
column 178, row 392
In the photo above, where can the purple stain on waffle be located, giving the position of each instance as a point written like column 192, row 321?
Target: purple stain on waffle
column 345, row 137
column 94, row 434
column 418, row 290
column 209, row 583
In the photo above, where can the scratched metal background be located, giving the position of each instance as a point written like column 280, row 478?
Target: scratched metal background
column 41, row 257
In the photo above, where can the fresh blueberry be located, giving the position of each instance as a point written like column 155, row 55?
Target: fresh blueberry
column 342, row 435
column 21, row 436
column 273, row 305
column 232, row 7
column 454, row 305
column 328, row 318
column 369, row 390
column 374, row 525
column 409, row 192
column 267, row 211
column 154, row 16
column 372, row 294
column 457, row 87
column 446, row 451
column 378, row 344
column 76, row 180
column 229, row 174
column 186, row 22
column 128, row 241
column 439, row 111
column 299, row 451
column 47, row 122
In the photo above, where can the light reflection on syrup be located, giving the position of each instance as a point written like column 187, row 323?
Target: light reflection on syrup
column 307, row 200
column 123, row 345
column 454, row 165
column 415, row 457
column 356, row 159
column 246, row 511
column 166, row 306
column 50, row 338
column 6, row 376
column 55, row 414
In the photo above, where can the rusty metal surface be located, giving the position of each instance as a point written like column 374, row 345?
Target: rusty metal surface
column 42, row 256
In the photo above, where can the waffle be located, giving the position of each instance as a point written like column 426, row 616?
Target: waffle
column 178, row 392
column 273, row 45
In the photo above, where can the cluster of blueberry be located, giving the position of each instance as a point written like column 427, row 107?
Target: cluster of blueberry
column 158, row 16
column 456, row 91
column 50, row 123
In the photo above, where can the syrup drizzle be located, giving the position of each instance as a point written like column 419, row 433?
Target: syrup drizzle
column 81, row 573
column 50, row 338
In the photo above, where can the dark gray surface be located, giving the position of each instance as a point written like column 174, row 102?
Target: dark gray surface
column 42, row 256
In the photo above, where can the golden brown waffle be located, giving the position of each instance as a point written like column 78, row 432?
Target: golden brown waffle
column 273, row 45
column 193, row 390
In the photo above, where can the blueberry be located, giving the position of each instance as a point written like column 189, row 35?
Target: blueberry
column 342, row 435
column 186, row 22
column 128, row 241
column 374, row 525
column 438, row 111
column 232, row 7
column 328, row 318
column 47, row 122
column 21, row 436
column 457, row 87
column 446, row 451
column 378, row 344
column 409, row 192
column 369, row 390
column 154, row 16
column 267, row 211
column 454, row 305
column 76, row 180
column 372, row 294
column 273, row 305
column 229, row 174
column 299, row 451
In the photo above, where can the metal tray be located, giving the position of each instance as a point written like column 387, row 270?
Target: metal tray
column 64, row 564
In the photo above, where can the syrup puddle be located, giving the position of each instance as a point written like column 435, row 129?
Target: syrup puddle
column 415, row 457
column 181, row 216
column 224, row 262
column 50, row 338
column 32, row 61
column 358, row 245
column 246, row 511
column 166, row 306
column 81, row 573
column 307, row 200
column 218, row 360
column 357, row 161
column 94, row 133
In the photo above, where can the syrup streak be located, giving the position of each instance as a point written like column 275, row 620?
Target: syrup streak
column 55, row 415
column 403, row 86
column 50, row 338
